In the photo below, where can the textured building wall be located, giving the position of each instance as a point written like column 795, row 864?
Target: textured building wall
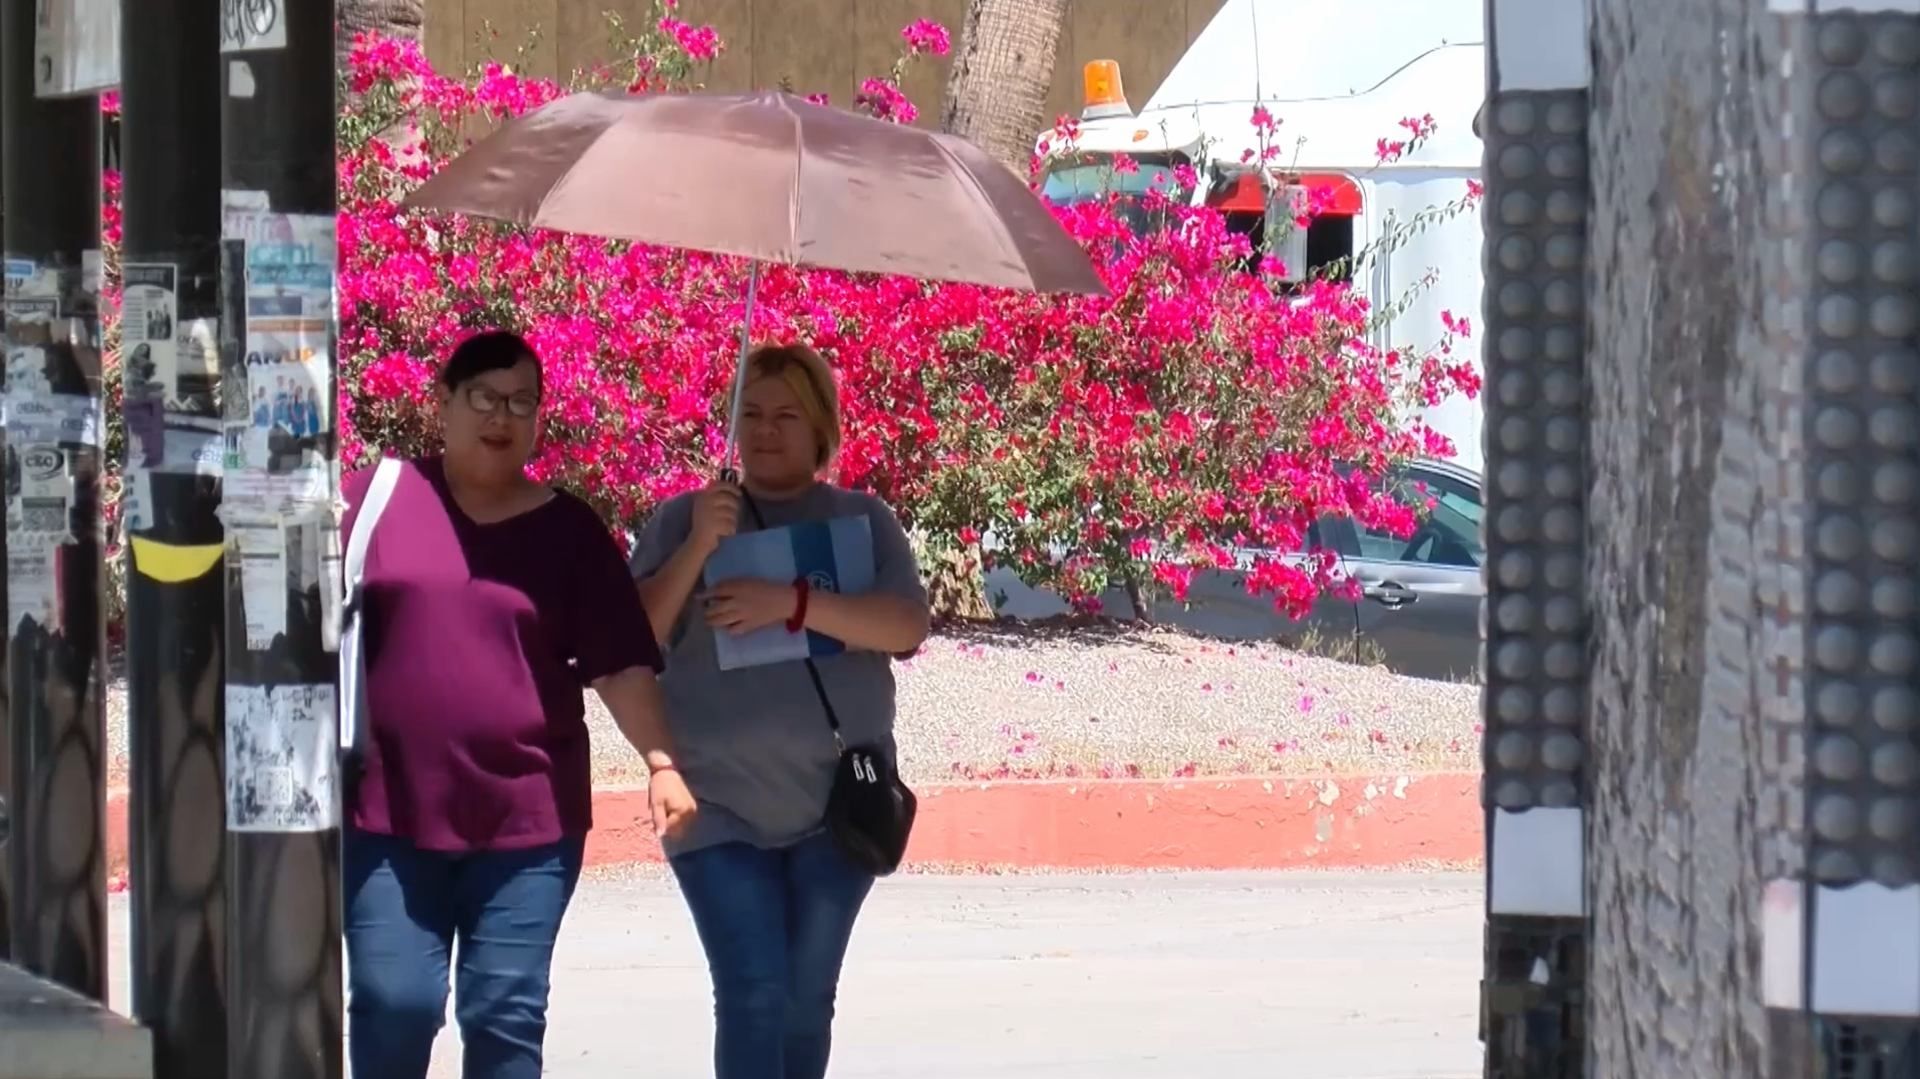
column 819, row 45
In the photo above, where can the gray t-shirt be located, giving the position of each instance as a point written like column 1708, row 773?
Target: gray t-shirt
column 754, row 744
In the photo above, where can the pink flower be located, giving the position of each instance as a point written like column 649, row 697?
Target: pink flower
column 926, row 36
column 970, row 410
column 700, row 43
column 883, row 99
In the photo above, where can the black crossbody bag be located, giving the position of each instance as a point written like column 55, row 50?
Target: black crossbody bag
column 870, row 810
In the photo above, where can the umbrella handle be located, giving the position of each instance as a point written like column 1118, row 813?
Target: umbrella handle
column 727, row 461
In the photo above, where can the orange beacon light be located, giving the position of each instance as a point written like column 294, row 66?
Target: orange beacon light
column 1103, row 95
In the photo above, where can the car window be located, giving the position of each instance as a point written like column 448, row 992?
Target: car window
column 1448, row 534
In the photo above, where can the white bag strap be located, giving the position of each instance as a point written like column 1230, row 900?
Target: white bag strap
column 386, row 476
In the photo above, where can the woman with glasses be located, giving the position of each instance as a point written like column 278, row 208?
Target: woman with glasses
column 491, row 601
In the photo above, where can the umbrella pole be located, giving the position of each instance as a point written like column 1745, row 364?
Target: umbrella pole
column 729, row 463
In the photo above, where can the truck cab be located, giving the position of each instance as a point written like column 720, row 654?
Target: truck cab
column 1338, row 80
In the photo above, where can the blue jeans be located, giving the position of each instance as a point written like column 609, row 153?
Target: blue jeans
column 775, row 925
column 406, row 907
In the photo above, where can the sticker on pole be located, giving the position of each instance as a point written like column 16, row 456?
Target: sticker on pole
column 282, row 745
column 252, row 25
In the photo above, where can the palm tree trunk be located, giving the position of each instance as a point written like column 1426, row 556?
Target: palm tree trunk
column 386, row 18
column 997, row 93
column 1695, row 435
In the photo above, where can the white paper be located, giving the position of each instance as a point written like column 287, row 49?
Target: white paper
column 31, row 310
column 303, row 550
column 136, row 502
column 1866, row 950
column 149, row 330
column 332, row 582
column 76, row 46
column 262, row 550
column 41, row 508
column 33, row 585
column 279, row 411
column 177, row 443
column 282, row 748
column 33, row 413
column 197, row 367
column 1535, row 864
column 27, row 371
column 247, row 495
column 1782, row 944
column 52, row 417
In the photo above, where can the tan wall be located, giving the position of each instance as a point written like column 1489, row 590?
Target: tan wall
column 817, row 44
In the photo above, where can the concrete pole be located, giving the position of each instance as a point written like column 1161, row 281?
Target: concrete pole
column 277, row 502
column 55, row 834
column 176, row 598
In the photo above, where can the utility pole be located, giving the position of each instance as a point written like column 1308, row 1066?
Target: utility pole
column 176, row 590
column 281, row 483
column 55, row 801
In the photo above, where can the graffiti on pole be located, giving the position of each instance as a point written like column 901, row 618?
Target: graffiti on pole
column 252, row 25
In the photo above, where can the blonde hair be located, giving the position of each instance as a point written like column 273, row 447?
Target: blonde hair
column 806, row 373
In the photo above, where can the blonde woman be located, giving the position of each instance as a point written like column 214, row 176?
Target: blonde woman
column 773, row 899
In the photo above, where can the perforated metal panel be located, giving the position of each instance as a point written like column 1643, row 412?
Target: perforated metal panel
column 1536, row 619
column 1862, row 428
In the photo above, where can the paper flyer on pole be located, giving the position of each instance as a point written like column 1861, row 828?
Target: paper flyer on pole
column 261, row 550
column 282, row 746
column 279, row 399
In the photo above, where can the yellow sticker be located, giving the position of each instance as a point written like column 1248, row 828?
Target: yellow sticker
column 170, row 564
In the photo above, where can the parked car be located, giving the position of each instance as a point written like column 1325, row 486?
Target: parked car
column 1419, row 605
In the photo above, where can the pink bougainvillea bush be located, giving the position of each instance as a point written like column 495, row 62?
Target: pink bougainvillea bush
column 1128, row 440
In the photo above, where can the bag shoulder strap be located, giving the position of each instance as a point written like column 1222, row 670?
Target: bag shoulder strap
column 386, row 476
column 813, row 672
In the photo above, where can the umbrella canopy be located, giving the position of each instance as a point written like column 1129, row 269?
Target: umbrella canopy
column 770, row 177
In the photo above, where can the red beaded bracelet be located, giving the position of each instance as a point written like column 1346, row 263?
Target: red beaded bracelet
column 800, row 592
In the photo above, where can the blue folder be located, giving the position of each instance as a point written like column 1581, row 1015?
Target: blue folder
column 834, row 556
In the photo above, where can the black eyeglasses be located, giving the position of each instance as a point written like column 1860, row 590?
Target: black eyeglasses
column 486, row 402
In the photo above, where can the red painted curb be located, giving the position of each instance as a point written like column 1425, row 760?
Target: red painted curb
column 1348, row 822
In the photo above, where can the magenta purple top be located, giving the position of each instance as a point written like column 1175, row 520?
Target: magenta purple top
column 480, row 641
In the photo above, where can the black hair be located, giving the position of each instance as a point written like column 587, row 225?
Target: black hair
column 494, row 350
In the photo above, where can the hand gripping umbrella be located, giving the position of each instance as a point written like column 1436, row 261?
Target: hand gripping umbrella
column 768, row 177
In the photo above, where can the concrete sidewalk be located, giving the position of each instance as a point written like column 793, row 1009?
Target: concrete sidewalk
column 1320, row 976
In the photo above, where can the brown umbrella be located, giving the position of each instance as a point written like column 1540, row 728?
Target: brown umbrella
column 770, row 177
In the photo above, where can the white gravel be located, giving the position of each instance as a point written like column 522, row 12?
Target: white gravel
column 1038, row 701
